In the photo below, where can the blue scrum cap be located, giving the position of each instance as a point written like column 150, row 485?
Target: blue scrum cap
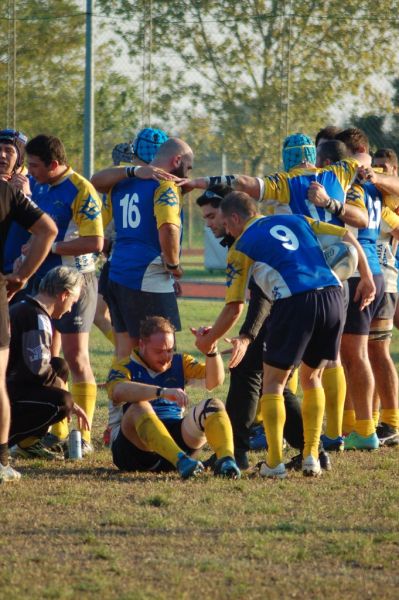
column 298, row 148
column 147, row 142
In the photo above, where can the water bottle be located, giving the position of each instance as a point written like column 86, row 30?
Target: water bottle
column 75, row 445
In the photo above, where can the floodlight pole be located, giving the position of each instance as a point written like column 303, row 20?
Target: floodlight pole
column 89, row 95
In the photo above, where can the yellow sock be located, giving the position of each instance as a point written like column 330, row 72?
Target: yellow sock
column 273, row 413
column 61, row 429
column 334, row 384
column 85, row 395
column 312, row 414
column 292, row 383
column 27, row 442
column 110, row 336
column 348, row 421
column 390, row 416
column 219, row 433
column 365, row 427
column 156, row 437
column 376, row 417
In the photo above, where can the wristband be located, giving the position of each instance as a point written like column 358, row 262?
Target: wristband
column 334, row 206
column 222, row 179
column 172, row 267
column 212, row 354
column 159, row 392
column 132, row 171
column 54, row 247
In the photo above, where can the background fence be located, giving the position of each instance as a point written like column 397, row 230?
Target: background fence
column 233, row 78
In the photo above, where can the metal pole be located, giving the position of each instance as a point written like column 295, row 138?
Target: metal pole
column 14, row 68
column 88, row 152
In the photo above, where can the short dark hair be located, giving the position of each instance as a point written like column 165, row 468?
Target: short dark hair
column 387, row 153
column 240, row 203
column 355, row 139
column 47, row 148
column 152, row 325
column 333, row 150
column 327, row 133
column 214, row 195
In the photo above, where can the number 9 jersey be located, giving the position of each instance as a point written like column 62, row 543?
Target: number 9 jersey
column 140, row 208
column 284, row 256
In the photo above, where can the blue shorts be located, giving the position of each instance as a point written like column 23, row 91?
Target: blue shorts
column 306, row 327
column 358, row 321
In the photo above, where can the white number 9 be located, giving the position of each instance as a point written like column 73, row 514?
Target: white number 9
column 285, row 235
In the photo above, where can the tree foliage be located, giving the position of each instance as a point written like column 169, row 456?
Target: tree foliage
column 259, row 69
column 49, row 85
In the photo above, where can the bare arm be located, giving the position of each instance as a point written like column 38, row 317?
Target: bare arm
column 350, row 215
column 80, row 245
column 104, row 180
column 241, row 183
column 169, row 239
column 227, row 318
column 365, row 291
column 44, row 232
column 132, row 392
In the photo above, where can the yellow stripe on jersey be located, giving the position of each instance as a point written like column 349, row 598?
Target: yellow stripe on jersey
column 237, row 274
column 168, row 201
column 389, row 220
column 119, row 373
column 86, row 208
column 322, row 228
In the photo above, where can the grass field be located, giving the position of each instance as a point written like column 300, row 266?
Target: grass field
column 84, row 530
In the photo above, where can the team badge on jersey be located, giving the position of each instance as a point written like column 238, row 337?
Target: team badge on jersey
column 231, row 274
column 90, row 209
column 168, row 198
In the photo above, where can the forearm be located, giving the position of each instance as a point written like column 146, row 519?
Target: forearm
column 354, row 216
column 225, row 321
column 104, row 180
column 79, row 246
column 39, row 248
column 363, row 265
column 132, row 391
column 169, row 239
column 387, row 183
column 214, row 371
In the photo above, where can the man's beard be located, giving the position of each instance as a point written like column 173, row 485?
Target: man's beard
column 179, row 171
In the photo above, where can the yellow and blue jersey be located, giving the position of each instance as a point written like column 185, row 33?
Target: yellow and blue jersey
column 287, row 192
column 74, row 205
column 385, row 252
column 184, row 370
column 140, row 208
column 283, row 254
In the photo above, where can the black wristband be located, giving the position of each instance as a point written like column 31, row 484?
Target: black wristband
column 130, row 172
column 159, row 392
column 212, row 354
column 172, row 267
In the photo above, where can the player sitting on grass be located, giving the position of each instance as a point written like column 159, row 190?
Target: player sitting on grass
column 150, row 433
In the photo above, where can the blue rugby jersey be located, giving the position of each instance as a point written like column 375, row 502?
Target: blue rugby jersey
column 184, row 370
column 287, row 191
column 139, row 209
column 75, row 206
column 284, row 256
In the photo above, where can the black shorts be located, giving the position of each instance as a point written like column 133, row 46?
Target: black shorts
column 81, row 317
column 387, row 306
column 4, row 316
column 127, row 457
column 306, row 327
column 129, row 307
column 358, row 321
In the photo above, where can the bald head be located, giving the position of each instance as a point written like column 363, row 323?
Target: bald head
column 174, row 156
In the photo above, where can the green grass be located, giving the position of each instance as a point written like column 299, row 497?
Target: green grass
column 85, row 530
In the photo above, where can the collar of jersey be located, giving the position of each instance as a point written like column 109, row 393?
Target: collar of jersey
column 137, row 359
column 62, row 178
column 248, row 224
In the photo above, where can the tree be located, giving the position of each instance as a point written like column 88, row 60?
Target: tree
column 50, row 47
column 259, row 69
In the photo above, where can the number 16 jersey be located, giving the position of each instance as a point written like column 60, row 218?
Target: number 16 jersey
column 139, row 209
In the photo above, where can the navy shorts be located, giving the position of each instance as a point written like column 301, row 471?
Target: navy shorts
column 81, row 317
column 358, row 321
column 387, row 306
column 129, row 307
column 127, row 457
column 306, row 327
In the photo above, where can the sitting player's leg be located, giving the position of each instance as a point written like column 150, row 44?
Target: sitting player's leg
column 209, row 421
column 146, row 432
